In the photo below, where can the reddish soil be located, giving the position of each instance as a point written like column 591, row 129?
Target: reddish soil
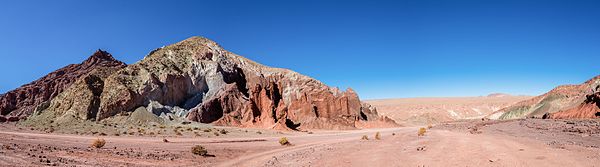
column 493, row 143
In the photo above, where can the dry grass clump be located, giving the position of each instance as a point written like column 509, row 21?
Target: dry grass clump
column 284, row 141
column 429, row 126
column 365, row 137
column 377, row 136
column 199, row 150
column 421, row 132
column 98, row 143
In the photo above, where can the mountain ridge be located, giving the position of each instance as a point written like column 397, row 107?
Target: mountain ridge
column 197, row 80
column 22, row 101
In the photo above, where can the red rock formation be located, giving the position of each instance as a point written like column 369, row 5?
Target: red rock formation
column 198, row 80
column 590, row 108
column 234, row 91
column 558, row 99
column 22, row 101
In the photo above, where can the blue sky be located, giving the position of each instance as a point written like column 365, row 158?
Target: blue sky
column 381, row 49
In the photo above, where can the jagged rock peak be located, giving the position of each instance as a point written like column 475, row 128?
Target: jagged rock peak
column 101, row 56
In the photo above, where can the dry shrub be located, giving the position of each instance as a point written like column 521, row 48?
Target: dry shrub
column 223, row 131
column 377, row 136
column 98, row 143
column 216, row 134
column 284, row 141
column 199, row 150
column 364, row 137
column 178, row 134
column 429, row 126
column 421, row 132
column 165, row 140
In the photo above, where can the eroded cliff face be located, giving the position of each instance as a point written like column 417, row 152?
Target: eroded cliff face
column 23, row 101
column 198, row 80
column 589, row 108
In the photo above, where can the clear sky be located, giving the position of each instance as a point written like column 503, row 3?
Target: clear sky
column 381, row 49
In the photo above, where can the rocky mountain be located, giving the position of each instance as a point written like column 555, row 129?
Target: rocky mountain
column 197, row 80
column 21, row 102
column 561, row 98
column 589, row 108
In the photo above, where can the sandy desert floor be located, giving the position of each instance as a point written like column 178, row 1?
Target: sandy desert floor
column 469, row 143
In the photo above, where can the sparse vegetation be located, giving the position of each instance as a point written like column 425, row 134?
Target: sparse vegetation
column 284, row 141
column 377, row 136
column 178, row 134
column 258, row 132
column 199, row 150
column 393, row 134
column 165, row 140
column 429, row 126
column 421, row 132
column 216, row 134
column 98, row 143
column 206, row 130
column 223, row 131
column 365, row 137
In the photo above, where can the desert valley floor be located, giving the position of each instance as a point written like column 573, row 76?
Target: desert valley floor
column 524, row 142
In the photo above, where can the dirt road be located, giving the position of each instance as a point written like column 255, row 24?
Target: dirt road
column 397, row 147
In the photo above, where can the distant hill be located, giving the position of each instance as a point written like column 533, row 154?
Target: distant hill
column 423, row 111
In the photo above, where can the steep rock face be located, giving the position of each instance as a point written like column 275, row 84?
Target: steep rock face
column 82, row 99
column 219, row 87
column 590, row 108
column 558, row 99
column 24, row 100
